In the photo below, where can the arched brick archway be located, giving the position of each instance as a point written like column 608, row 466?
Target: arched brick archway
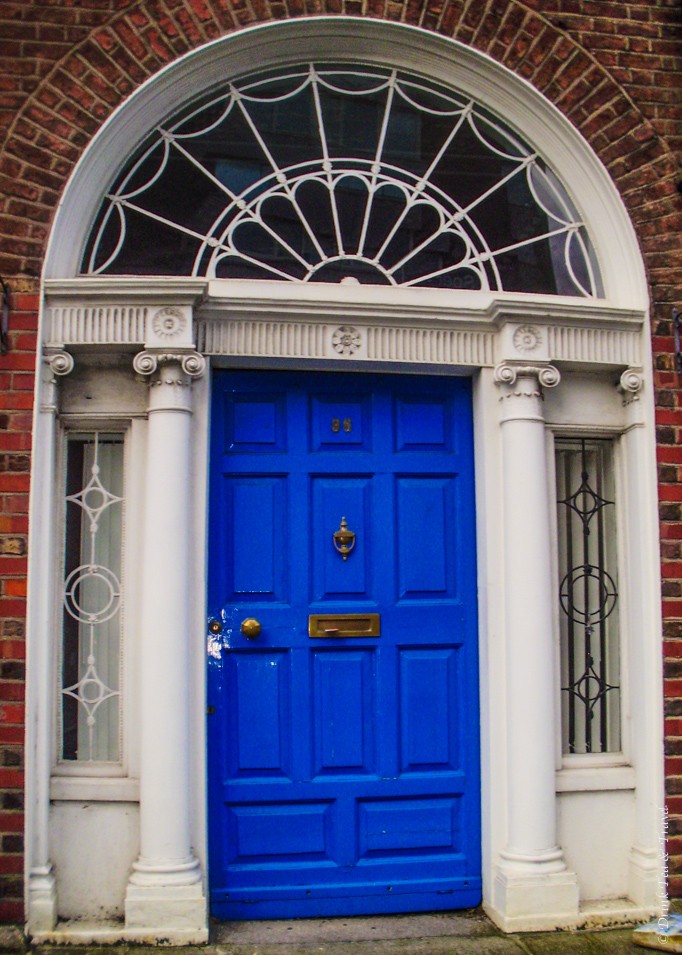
column 613, row 77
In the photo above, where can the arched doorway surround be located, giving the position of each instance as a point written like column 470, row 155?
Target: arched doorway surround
column 542, row 366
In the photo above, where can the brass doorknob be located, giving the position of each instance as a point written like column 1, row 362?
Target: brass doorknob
column 250, row 628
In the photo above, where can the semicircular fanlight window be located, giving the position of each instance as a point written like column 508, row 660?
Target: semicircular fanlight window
column 331, row 174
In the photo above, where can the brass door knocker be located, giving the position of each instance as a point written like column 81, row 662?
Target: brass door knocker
column 344, row 539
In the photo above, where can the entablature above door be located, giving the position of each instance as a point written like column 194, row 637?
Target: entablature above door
column 324, row 322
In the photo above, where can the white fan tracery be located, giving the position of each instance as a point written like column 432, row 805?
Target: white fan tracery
column 386, row 177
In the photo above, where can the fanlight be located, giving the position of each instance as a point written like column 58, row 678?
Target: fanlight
column 326, row 174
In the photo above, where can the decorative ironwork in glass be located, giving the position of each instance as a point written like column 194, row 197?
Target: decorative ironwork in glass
column 90, row 724
column 588, row 598
column 328, row 174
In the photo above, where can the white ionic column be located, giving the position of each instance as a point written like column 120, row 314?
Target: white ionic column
column 42, row 890
column 165, row 897
column 646, row 881
column 532, row 887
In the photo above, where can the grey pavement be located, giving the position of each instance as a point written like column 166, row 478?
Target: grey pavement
column 463, row 933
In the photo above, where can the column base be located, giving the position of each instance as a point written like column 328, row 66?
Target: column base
column 534, row 897
column 646, row 879
column 42, row 900
column 166, row 904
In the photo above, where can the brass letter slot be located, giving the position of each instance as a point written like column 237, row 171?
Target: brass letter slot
column 344, row 625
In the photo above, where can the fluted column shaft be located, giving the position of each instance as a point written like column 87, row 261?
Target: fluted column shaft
column 531, row 855
column 164, row 891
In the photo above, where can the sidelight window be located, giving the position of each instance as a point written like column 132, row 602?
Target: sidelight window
column 588, row 596
column 90, row 723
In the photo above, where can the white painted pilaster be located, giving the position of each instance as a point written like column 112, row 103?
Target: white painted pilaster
column 41, row 887
column 165, row 896
column 532, row 887
column 646, row 883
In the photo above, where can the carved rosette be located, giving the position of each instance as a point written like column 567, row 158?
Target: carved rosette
column 527, row 338
column 168, row 323
column 346, row 340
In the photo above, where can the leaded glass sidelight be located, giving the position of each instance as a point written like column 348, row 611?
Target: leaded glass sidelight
column 91, row 645
column 588, row 596
column 329, row 173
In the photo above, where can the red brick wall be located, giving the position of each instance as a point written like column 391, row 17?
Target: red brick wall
column 613, row 68
column 16, row 399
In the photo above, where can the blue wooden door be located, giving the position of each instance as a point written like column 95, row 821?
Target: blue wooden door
column 343, row 770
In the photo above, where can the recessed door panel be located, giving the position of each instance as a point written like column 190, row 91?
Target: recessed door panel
column 336, row 498
column 256, row 422
column 425, row 528
column 256, row 530
column 405, row 827
column 342, row 666
column 344, row 711
column 264, row 832
column 258, row 707
column 422, row 424
column 341, row 422
column 429, row 737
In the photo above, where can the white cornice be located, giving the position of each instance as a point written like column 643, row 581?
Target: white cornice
column 276, row 320
column 226, row 299
column 124, row 290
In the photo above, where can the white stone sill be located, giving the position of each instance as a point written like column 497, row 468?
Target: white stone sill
column 114, row 933
column 94, row 789
column 594, row 778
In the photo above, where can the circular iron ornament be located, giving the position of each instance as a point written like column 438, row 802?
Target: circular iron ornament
column 93, row 692
column 595, row 591
column 590, row 689
column 110, row 597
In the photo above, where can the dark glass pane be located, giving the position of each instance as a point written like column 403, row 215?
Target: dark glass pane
column 320, row 162
column 90, row 653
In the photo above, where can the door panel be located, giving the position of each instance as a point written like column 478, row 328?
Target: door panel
column 343, row 771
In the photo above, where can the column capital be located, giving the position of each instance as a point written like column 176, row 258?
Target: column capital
column 56, row 364
column 170, row 376
column 508, row 372
column 147, row 362
column 60, row 362
column 630, row 384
